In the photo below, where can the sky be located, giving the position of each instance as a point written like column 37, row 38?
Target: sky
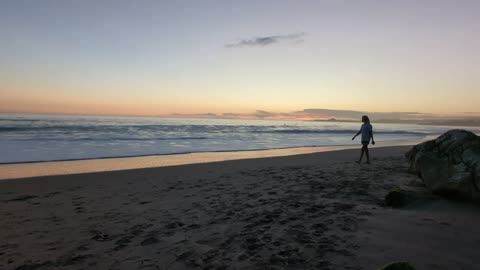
column 239, row 57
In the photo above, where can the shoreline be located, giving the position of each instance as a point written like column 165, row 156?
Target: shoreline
column 18, row 170
column 339, row 146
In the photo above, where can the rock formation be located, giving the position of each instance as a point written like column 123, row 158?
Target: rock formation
column 450, row 164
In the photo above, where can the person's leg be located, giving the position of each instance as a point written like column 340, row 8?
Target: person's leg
column 367, row 154
column 361, row 154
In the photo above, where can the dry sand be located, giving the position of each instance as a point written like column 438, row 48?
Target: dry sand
column 313, row 211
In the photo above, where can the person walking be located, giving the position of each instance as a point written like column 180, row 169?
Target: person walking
column 367, row 134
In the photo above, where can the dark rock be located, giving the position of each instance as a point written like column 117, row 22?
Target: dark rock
column 449, row 165
column 399, row 198
column 398, row 266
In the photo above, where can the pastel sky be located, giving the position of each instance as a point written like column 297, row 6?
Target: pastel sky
column 193, row 57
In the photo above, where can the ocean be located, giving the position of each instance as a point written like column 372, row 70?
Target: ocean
column 32, row 138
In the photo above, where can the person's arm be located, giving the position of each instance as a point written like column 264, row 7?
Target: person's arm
column 371, row 135
column 358, row 133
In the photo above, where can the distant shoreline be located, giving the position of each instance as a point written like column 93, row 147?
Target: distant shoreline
column 452, row 123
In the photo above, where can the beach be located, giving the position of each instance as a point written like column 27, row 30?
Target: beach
column 218, row 135
column 305, row 211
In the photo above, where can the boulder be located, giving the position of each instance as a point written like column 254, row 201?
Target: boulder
column 398, row 198
column 450, row 164
column 398, row 266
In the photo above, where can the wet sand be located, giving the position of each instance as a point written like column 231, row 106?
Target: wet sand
column 310, row 211
column 33, row 169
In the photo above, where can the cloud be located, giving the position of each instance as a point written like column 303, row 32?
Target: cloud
column 267, row 40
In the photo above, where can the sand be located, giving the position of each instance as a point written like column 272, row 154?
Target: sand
column 310, row 211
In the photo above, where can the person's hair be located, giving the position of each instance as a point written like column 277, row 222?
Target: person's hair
column 365, row 119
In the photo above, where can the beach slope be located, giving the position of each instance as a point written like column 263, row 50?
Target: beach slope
column 311, row 211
